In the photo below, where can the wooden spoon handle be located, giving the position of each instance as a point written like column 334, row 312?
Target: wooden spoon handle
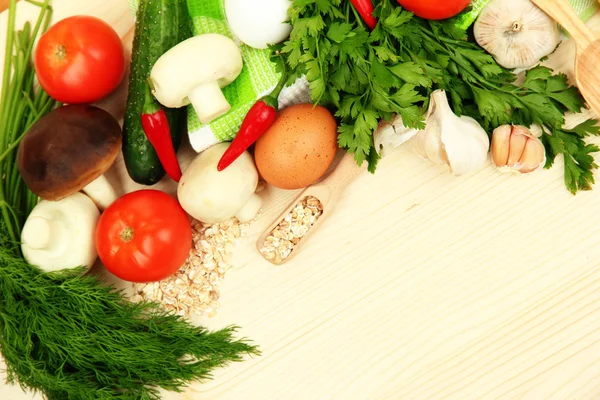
column 562, row 12
column 344, row 173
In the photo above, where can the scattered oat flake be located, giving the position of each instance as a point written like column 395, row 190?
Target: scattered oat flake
column 194, row 289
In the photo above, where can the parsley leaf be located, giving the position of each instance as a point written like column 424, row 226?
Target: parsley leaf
column 369, row 76
column 578, row 159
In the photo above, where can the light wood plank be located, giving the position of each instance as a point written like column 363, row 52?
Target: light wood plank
column 420, row 285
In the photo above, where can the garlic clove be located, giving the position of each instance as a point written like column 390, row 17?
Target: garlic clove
column 533, row 156
column 429, row 144
column 428, row 141
column 516, row 147
column 501, row 144
column 526, row 151
column 466, row 146
column 516, row 32
column 392, row 135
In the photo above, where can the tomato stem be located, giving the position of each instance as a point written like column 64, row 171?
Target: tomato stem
column 126, row 234
column 60, row 52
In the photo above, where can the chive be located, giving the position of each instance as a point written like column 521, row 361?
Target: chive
column 20, row 107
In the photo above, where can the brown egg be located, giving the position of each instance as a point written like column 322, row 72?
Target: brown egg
column 298, row 148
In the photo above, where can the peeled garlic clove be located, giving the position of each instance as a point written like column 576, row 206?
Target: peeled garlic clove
column 501, row 144
column 516, row 32
column 517, row 144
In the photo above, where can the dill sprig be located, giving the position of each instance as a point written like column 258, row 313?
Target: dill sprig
column 70, row 336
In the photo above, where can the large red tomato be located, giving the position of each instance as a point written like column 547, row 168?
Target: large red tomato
column 435, row 9
column 80, row 59
column 144, row 236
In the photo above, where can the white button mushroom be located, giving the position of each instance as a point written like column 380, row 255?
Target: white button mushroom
column 194, row 71
column 211, row 196
column 60, row 234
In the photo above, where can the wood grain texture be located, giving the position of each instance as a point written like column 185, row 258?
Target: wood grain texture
column 562, row 12
column 420, row 285
column 327, row 191
column 588, row 48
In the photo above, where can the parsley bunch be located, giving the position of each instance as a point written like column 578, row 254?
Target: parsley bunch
column 370, row 76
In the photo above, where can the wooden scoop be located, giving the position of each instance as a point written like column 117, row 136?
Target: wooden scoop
column 587, row 62
column 327, row 192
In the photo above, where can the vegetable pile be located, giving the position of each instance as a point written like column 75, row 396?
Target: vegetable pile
column 371, row 66
column 65, row 334
column 369, row 77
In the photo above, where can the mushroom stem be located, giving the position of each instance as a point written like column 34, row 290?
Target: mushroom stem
column 208, row 101
column 101, row 192
column 250, row 209
column 40, row 233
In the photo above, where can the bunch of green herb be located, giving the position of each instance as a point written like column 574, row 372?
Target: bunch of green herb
column 21, row 105
column 66, row 335
column 369, row 76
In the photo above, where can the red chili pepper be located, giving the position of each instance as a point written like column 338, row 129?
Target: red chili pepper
column 157, row 130
column 365, row 9
column 257, row 121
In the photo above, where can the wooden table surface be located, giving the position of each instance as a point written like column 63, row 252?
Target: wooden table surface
column 421, row 285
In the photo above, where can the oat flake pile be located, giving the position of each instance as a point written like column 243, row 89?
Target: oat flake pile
column 194, row 289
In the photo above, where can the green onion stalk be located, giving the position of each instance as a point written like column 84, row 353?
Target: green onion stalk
column 21, row 105
column 67, row 334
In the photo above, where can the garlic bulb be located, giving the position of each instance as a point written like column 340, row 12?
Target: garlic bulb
column 459, row 142
column 516, row 32
column 516, row 149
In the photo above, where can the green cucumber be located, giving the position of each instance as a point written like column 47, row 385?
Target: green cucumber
column 160, row 25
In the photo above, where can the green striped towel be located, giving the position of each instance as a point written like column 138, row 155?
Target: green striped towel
column 258, row 78
column 584, row 8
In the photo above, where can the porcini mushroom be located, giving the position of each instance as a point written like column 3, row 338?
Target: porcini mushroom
column 68, row 150
column 194, row 71
column 211, row 196
column 60, row 234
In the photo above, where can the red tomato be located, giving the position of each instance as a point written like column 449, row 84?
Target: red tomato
column 79, row 60
column 144, row 236
column 435, row 9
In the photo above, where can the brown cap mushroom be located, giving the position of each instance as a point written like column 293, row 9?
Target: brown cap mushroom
column 68, row 150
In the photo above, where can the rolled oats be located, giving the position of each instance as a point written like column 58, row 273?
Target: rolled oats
column 194, row 289
column 287, row 234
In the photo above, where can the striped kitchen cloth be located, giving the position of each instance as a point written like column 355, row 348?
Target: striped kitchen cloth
column 258, row 78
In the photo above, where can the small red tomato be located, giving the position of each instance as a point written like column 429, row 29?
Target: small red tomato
column 144, row 236
column 79, row 59
column 435, row 9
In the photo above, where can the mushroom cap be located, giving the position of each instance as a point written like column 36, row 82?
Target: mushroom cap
column 67, row 149
column 211, row 196
column 210, row 57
